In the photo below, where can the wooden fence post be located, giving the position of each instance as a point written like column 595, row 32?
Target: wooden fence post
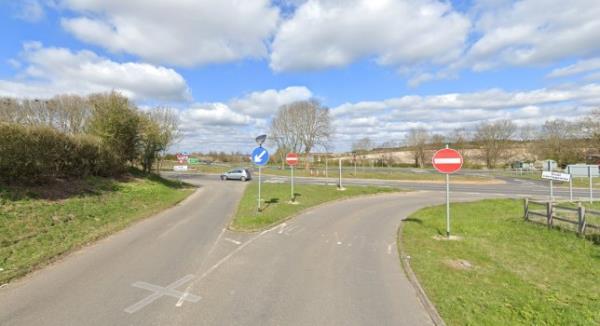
column 580, row 219
column 526, row 208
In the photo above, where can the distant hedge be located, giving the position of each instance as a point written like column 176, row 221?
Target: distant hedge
column 36, row 154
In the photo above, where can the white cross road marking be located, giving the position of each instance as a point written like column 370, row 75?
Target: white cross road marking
column 160, row 291
column 447, row 161
column 233, row 241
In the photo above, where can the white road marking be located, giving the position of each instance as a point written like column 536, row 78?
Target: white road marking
column 226, row 258
column 233, row 241
column 281, row 228
column 162, row 235
column 160, row 291
column 389, row 249
column 337, row 238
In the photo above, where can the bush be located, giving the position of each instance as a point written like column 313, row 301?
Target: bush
column 38, row 154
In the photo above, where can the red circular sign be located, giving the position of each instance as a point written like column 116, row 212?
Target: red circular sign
column 447, row 160
column 291, row 159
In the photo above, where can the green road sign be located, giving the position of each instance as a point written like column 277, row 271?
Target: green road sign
column 192, row 160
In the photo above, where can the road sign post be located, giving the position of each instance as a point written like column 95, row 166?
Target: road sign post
column 591, row 189
column 260, row 157
column 447, row 161
column 571, row 189
column 551, row 182
column 340, row 186
column 292, row 160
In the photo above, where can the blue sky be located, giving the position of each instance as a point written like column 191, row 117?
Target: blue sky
column 382, row 66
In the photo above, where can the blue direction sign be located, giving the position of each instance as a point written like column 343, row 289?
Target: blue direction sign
column 260, row 156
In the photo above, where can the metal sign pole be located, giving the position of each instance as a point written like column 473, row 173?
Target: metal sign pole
column 340, row 168
column 259, row 180
column 326, row 167
column 571, row 188
column 293, row 196
column 551, row 183
column 590, row 176
column 448, row 205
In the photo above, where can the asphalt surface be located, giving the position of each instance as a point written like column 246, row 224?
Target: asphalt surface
column 538, row 189
column 332, row 265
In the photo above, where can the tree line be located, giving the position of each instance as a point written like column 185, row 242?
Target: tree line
column 565, row 141
column 74, row 136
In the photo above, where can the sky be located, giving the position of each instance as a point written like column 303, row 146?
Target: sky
column 381, row 66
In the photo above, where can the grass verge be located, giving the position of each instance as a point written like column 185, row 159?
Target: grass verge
column 389, row 175
column 37, row 225
column 504, row 271
column 275, row 206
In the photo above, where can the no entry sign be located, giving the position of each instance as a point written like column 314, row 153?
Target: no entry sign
column 447, row 160
column 291, row 159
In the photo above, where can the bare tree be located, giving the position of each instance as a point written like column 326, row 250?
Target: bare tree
column 494, row 139
column 302, row 126
column 438, row 140
column 528, row 133
column 561, row 141
column 459, row 137
column 417, row 139
column 66, row 113
column 591, row 129
column 70, row 113
column 362, row 145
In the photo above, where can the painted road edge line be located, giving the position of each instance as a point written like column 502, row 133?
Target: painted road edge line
column 412, row 278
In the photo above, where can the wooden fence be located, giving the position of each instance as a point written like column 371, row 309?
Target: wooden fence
column 579, row 216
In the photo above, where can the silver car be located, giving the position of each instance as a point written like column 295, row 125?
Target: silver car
column 237, row 174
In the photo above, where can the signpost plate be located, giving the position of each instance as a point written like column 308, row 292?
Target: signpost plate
column 556, row 176
column 447, row 160
column 292, row 159
column 180, row 168
column 260, row 156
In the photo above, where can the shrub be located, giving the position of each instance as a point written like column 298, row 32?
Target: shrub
column 36, row 154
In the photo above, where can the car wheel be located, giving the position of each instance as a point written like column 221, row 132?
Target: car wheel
column 243, row 179
column 223, row 178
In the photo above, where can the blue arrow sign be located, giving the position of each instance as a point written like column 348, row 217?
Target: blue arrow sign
column 260, row 156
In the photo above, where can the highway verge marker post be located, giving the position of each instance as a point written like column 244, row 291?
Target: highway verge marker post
column 292, row 160
column 260, row 157
column 447, row 161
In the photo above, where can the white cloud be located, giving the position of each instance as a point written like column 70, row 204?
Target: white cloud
column 232, row 125
column 579, row 67
column 31, row 11
column 213, row 114
column 229, row 126
column 179, row 32
column 330, row 33
column 265, row 104
column 534, row 32
column 391, row 119
column 48, row 71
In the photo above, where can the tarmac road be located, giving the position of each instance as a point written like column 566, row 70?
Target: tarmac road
column 332, row 265
column 514, row 187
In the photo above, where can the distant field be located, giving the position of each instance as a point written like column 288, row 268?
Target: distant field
column 276, row 208
column 504, row 271
column 39, row 224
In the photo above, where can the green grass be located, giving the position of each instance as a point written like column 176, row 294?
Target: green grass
column 276, row 208
column 34, row 230
column 522, row 273
column 391, row 175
